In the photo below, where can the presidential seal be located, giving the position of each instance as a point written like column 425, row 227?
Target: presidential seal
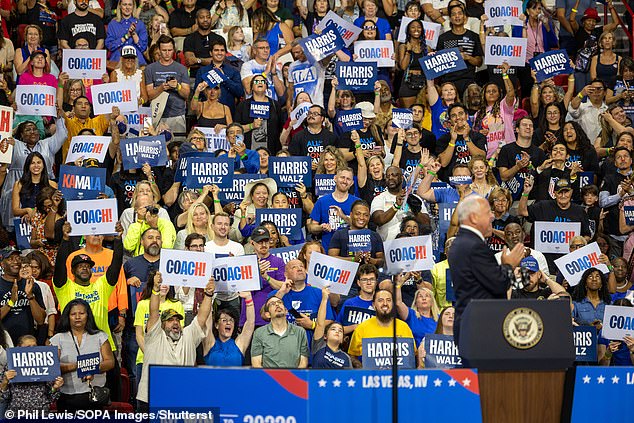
column 523, row 328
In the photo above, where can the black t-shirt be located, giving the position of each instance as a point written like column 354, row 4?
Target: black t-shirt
column 461, row 154
column 367, row 140
column 268, row 134
column 19, row 321
column 305, row 143
column 587, row 158
column 73, row 27
column 371, row 189
column 546, row 181
column 494, row 242
column 540, row 294
column 180, row 18
column 611, row 184
column 468, row 43
column 123, row 184
column 594, row 216
column 340, row 240
column 45, row 18
column 507, row 158
column 200, row 45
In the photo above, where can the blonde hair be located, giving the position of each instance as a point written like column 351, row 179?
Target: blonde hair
column 435, row 311
column 189, row 227
column 341, row 162
column 118, row 16
column 136, row 192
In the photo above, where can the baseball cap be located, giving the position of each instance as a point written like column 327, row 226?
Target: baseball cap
column 259, row 234
column 81, row 258
column 128, row 51
column 37, row 53
column 169, row 313
column 562, row 184
column 5, row 254
column 590, row 13
column 530, row 263
column 91, row 162
column 367, row 109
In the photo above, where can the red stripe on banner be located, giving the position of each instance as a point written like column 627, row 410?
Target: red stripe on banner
column 467, row 378
column 290, row 382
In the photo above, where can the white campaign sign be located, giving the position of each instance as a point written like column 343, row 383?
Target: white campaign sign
column 380, row 52
column 554, row 237
column 84, row 64
column 333, row 272
column 505, row 49
column 186, row 268
column 88, row 147
column 234, row 274
column 299, row 113
column 120, row 94
column 92, row 217
column 432, row 32
column 503, row 12
column 37, row 100
column 136, row 120
column 408, row 254
column 618, row 321
column 6, row 126
column 348, row 31
column 215, row 141
column 572, row 265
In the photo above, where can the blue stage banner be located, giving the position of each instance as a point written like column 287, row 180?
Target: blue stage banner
column 302, row 396
column 235, row 193
column 550, row 63
column 288, row 221
column 22, row 233
column 287, row 253
column 356, row 77
column 203, row 171
column 442, row 63
column 585, row 339
column 290, row 171
column 81, row 183
column 602, row 385
column 441, row 352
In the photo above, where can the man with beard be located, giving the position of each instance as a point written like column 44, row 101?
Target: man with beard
column 514, row 234
column 540, row 286
column 379, row 326
column 197, row 45
column 81, row 24
column 166, row 342
column 387, row 208
column 147, row 217
column 278, row 344
column 22, row 305
column 314, row 138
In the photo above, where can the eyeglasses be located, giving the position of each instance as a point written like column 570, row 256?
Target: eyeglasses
column 227, row 320
column 75, row 90
column 367, row 280
column 197, row 139
column 500, row 200
column 259, row 82
column 411, row 135
column 314, row 114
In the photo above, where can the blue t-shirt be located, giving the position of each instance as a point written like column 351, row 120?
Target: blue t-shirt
column 438, row 117
column 420, row 326
column 447, row 195
column 322, row 213
column 224, row 354
column 325, row 358
column 138, row 266
column 356, row 302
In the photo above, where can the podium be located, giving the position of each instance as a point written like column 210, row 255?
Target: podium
column 522, row 349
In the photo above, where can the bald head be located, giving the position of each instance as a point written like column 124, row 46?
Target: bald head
column 295, row 271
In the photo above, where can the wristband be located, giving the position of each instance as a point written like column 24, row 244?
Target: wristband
column 420, row 165
column 314, row 326
column 217, row 201
column 195, row 98
column 574, row 10
column 452, row 145
column 376, row 94
column 218, row 14
column 504, row 76
column 357, row 146
column 155, row 293
column 610, row 268
column 250, row 127
column 59, row 85
column 10, row 303
column 207, row 294
column 396, row 207
column 248, row 302
column 268, row 278
column 242, row 217
column 524, row 195
column 178, row 87
column 609, row 150
column 244, row 156
column 580, row 95
column 432, row 173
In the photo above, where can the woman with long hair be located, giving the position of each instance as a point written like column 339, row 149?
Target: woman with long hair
column 199, row 221
column 282, row 13
column 445, row 321
column 288, row 129
column 580, row 150
column 550, row 129
column 126, row 30
column 483, row 181
column 229, row 14
column 236, row 45
column 49, row 208
column 312, row 19
column 330, row 161
column 409, row 55
column 258, row 195
column 33, row 36
column 605, row 64
column 267, row 25
column 156, row 27
column 590, row 297
column 423, row 313
column 129, row 70
column 211, row 113
column 25, row 191
column 307, row 250
column 68, row 92
column 77, row 334
column 547, row 92
column 623, row 91
column 613, row 123
column 370, row 177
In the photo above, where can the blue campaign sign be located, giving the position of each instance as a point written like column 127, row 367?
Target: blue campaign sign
column 445, row 210
column 460, row 180
column 377, row 353
column 585, row 340
column 88, row 364
column 81, row 183
column 235, row 193
column 356, row 315
column 181, row 168
column 22, row 233
column 359, row 241
column 287, row 172
column 515, row 185
column 214, row 77
column 450, row 294
column 602, row 385
column 442, row 63
column 299, row 396
column 324, row 185
column 288, row 221
column 402, row 118
column 203, row 171
column 349, row 120
column 260, row 109
column 356, row 77
column 629, row 215
column 585, row 178
column 319, row 46
column 287, row 253
column 550, row 63
column 152, row 150
column 441, row 352
column 33, row 364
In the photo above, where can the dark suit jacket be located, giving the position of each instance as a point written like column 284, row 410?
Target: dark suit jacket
column 475, row 273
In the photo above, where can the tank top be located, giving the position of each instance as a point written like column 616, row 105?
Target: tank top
column 137, row 78
column 414, row 63
column 273, row 37
column 224, row 354
column 212, row 122
column 607, row 73
column 27, row 199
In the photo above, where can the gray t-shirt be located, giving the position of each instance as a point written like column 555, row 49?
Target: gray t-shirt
column 68, row 354
column 156, row 74
column 280, row 351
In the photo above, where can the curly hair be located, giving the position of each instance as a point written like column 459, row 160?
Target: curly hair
column 581, row 291
column 482, row 111
column 331, row 149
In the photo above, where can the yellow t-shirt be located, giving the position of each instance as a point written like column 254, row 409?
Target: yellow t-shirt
column 74, row 126
column 143, row 314
column 439, row 281
column 96, row 294
column 371, row 329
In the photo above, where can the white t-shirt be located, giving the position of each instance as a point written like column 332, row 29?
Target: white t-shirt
column 49, row 301
column 537, row 255
column 383, row 202
column 233, row 248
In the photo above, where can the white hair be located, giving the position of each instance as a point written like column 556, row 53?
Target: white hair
column 468, row 206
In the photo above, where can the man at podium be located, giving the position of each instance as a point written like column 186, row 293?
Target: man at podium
column 475, row 272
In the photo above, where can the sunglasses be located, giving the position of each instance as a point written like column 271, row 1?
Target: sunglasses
column 259, row 82
column 369, row 28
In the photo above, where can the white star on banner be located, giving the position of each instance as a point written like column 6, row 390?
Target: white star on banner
column 615, row 379
column 586, row 379
column 336, row 383
column 437, row 382
column 466, row 382
column 322, row 383
column 600, row 379
column 452, row 382
column 351, row 383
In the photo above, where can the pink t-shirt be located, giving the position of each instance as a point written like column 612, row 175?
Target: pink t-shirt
column 500, row 128
column 27, row 78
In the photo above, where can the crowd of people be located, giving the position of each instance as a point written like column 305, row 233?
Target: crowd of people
column 557, row 150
